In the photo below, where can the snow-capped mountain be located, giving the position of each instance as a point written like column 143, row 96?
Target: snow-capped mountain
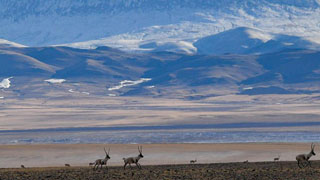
column 6, row 43
column 141, row 24
column 236, row 41
column 244, row 40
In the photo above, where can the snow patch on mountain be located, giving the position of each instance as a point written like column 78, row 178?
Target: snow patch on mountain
column 247, row 88
column 150, row 87
column 6, row 43
column 55, row 81
column 5, row 83
column 180, row 46
column 73, row 91
column 128, row 83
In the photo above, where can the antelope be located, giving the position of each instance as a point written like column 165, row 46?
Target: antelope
column 276, row 158
column 102, row 162
column 193, row 161
column 246, row 161
column 67, row 165
column 305, row 157
column 22, row 166
column 135, row 160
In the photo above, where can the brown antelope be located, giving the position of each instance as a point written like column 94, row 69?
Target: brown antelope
column 22, row 166
column 101, row 162
column 67, row 165
column 193, row 161
column 304, row 158
column 135, row 160
column 276, row 158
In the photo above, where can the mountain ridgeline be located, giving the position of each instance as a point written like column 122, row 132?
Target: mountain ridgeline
column 131, row 24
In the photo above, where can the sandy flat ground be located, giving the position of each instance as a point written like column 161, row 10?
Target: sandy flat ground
column 155, row 154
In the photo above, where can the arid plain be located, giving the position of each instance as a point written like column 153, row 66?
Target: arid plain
column 63, row 124
column 68, row 110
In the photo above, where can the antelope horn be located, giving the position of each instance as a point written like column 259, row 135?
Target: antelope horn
column 105, row 151
column 108, row 151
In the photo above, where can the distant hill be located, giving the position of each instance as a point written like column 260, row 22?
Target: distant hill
column 16, row 64
column 110, row 72
column 245, row 40
column 235, row 41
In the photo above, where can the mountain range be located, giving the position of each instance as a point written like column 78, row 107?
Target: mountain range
column 177, row 48
column 106, row 71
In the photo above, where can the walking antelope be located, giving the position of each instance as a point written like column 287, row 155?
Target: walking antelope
column 276, row 158
column 304, row 158
column 67, row 165
column 193, row 161
column 102, row 162
column 135, row 160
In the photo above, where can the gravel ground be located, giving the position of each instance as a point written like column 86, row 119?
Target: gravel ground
column 241, row 171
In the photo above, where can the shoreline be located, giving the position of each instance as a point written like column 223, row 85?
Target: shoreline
column 186, row 136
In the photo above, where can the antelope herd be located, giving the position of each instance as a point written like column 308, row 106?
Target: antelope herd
column 129, row 160
column 302, row 159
